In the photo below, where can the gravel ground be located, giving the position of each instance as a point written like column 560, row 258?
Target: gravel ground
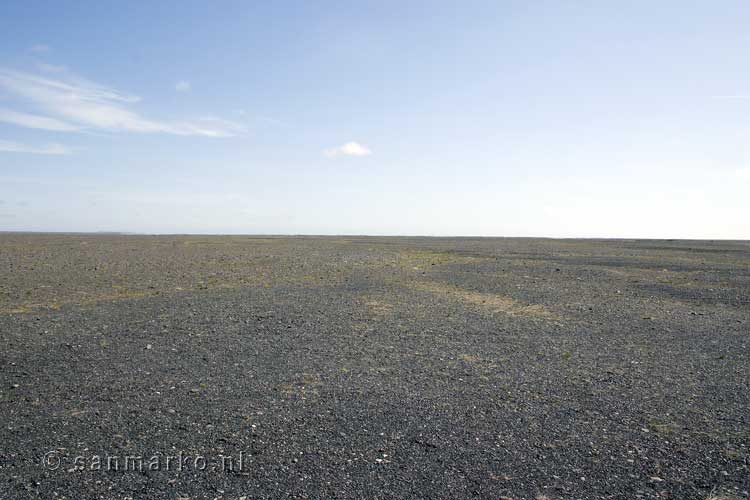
column 388, row 368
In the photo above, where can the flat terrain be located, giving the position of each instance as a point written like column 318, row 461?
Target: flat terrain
column 389, row 368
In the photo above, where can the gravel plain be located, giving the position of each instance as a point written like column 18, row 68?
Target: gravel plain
column 373, row 368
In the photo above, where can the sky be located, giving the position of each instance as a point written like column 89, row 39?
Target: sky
column 498, row 118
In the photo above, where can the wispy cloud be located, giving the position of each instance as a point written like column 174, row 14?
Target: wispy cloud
column 38, row 48
column 50, row 68
column 35, row 121
column 743, row 173
column 348, row 149
column 49, row 149
column 213, row 126
column 83, row 104
column 266, row 120
column 731, row 96
column 182, row 86
column 271, row 121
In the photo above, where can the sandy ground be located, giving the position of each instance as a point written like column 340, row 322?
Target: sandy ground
column 352, row 367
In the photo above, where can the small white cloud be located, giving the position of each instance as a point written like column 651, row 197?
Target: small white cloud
column 38, row 48
column 348, row 149
column 182, row 86
column 50, row 149
column 743, row 173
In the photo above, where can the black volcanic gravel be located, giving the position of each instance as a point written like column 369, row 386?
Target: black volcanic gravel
column 382, row 368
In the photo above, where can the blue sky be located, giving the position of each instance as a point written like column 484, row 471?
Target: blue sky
column 590, row 119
